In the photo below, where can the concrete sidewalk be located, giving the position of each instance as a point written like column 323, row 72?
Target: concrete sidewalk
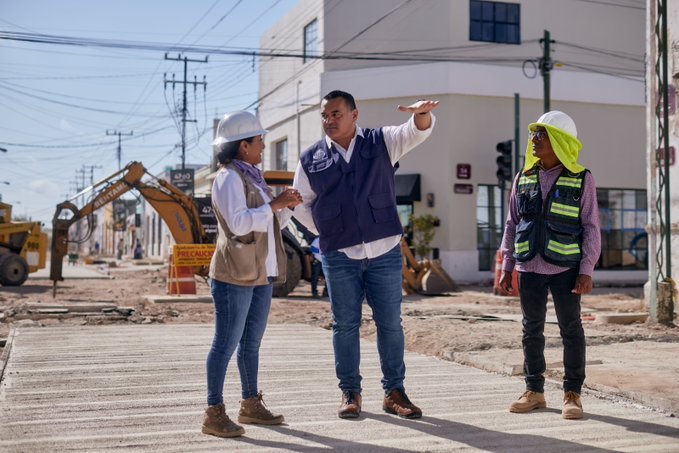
column 142, row 388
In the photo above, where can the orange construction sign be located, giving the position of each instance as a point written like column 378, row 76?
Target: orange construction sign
column 193, row 254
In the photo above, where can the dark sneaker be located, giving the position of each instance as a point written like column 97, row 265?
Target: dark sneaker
column 572, row 406
column 351, row 405
column 254, row 411
column 217, row 423
column 529, row 400
column 398, row 403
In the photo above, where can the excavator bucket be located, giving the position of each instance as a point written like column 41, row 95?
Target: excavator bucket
column 436, row 280
column 424, row 277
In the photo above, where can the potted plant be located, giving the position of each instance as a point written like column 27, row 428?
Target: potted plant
column 423, row 233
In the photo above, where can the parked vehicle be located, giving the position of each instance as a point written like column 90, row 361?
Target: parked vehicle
column 23, row 248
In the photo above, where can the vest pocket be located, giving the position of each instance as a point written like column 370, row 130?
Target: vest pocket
column 562, row 242
column 241, row 260
column 530, row 202
column 524, row 240
column 329, row 219
column 383, row 207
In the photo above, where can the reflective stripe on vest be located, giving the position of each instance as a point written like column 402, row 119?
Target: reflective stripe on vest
column 563, row 249
column 522, row 247
column 569, row 182
column 565, row 210
column 530, row 179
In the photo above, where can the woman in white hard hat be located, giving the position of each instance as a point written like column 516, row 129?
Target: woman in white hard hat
column 552, row 236
column 249, row 256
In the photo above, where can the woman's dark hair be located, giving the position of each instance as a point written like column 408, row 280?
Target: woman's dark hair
column 229, row 150
column 349, row 99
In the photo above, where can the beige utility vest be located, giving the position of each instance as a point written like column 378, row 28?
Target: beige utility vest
column 241, row 260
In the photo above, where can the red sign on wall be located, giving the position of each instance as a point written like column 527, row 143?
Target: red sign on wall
column 464, row 171
column 466, row 189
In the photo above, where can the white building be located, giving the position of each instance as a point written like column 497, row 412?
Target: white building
column 472, row 56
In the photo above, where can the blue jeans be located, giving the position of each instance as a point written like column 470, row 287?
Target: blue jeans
column 533, row 291
column 241, row 313
column 316, row 271
column 379, row 281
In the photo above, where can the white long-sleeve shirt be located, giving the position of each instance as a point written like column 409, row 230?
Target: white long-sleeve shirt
column 399, row 140
column 229, row 198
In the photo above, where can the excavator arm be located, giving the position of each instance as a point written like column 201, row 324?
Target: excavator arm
column 176, row 208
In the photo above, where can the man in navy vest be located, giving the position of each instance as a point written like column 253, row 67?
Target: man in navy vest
column 347, row 183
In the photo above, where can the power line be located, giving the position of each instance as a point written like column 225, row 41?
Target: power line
column 609, row 3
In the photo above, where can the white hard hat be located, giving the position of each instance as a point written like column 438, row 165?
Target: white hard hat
column 558, row 120
column 236, row 126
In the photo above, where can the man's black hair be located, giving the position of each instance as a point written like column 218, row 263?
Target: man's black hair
column 349, row 99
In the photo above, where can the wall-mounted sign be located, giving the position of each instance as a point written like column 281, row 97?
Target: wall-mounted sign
column 182, row 180
column 464, row 171
column 207, row 216
column 466, row 189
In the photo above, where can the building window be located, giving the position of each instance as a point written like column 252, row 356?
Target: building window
column 495, row 22
column 310, row 41
column 281, row 153
column 489, row 225
column 623, row 237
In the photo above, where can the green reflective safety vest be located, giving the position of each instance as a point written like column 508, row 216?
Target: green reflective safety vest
column 553, row 228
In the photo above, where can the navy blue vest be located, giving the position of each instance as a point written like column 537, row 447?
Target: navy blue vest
column 356, row 200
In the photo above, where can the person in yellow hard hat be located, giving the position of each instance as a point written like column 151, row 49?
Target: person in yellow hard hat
column 249, row 256
column 552, row 237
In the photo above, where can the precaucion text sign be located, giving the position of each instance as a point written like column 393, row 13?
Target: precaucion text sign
column 192, row 254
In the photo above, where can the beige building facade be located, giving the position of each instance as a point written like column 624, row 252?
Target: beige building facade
column 388, row 53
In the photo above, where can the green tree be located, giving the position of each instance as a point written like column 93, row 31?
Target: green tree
column 423, row 233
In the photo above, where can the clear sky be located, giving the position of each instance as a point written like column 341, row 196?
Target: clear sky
column 57, row 102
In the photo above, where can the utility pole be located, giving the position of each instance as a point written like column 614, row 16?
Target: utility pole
column 91, row 167
column 120, row 149
column 662, row 291
column 517, row 133
column 184, row 82
column 546, row 64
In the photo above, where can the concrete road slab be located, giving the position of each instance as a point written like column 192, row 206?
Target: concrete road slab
column 70, row 272
column 142, row 388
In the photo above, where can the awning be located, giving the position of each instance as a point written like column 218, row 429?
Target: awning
column 407, row 189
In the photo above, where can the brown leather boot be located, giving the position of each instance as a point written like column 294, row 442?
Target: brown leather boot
column 572, row 406
column 351, row 405
column 527, row 402
column 253, row 410
column 398, row 403
column 217, row 423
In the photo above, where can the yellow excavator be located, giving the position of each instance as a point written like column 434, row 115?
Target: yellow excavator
column 177, row 209
column 23, row 248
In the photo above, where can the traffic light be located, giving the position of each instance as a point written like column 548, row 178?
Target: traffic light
column 504, row 161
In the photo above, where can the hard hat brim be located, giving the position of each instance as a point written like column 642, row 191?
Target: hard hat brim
column 232, row 138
